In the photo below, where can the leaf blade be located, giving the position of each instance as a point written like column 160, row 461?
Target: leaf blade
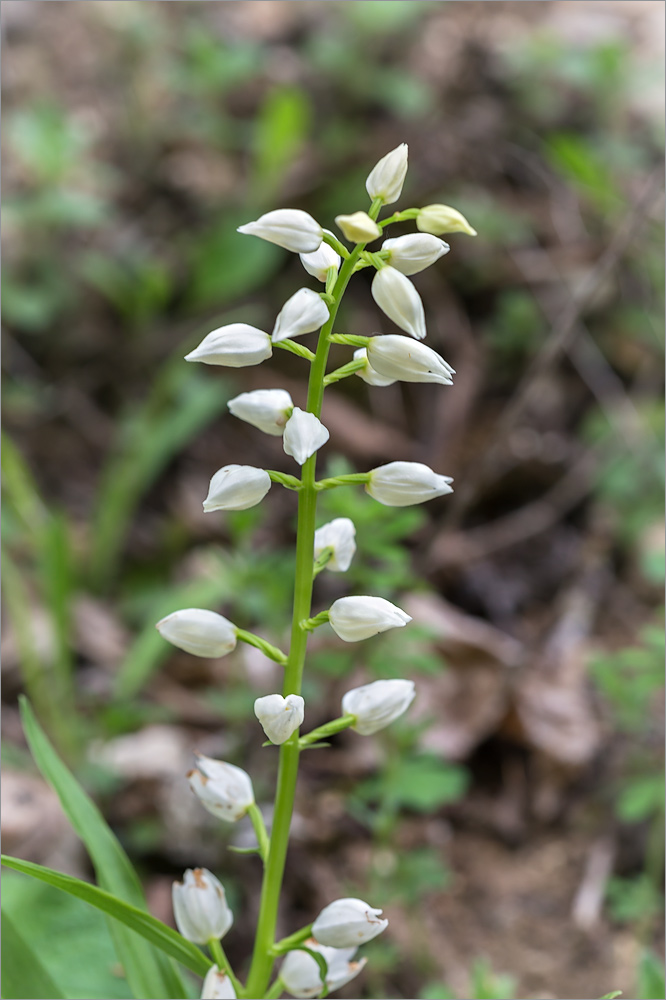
column 149, row 974
column 23, row 975
column 139, row 921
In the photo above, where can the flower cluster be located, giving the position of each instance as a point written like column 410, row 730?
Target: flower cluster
column 226, row 791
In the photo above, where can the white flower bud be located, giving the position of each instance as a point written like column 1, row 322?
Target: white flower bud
column 267, row 409
column 358, row 227
column 407, row 360
column 356, row 618
column 236, row 487
column 386, row 178
column 200, row 906
column 338, row 535
column 217, row 986
column 234, row 346
column 443, row 219
column 223, row 789
column 279, row 717
column 413, row 253
column 347, row 923
column 199, row 632
column 401, row 484
column 304, row 312
column 319, row 263
column 290, row 228
column 376, row 705
column 303, row 435
column 368, row 373
column 396, row 296
column 301, row 974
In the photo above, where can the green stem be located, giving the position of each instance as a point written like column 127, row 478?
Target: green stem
column 350, row 339
column 298, row 349
column 222, row 962
column 262, row 958
column 345, row 371
column 261, row 833
column 348, row 480
column 312, row 623
column 328, row 729
column 272, row 652
column 288, row 943
column 276, row 990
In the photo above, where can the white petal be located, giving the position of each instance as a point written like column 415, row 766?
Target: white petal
column 356, row 618
column 387, row 177
column 396, row 296
column 290, row 228
column 267, row 409
column 368, row 373
column 407, row 360
column 279, row 717
column 234, row 346
column 304, row 312
column 414, row 252
column 199, row 632
column 338, row 535
column 236, row 487
column 303, row 435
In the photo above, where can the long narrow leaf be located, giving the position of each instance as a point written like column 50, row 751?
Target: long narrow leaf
column 23, row 975
column 149, row 927
column 150, row 975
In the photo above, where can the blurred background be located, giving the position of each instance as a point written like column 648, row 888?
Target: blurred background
column 512, row 825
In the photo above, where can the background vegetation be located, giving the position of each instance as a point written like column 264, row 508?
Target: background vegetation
column 512, row 827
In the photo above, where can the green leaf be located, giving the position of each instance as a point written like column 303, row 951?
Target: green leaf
column 148, row 973
column 149, row 927
column 612, row 996
column 651, row 980
column 281, row 129
column 23, row 975
column 642, row 798
column 54, row 921
column 181, row 404
column 424, row 783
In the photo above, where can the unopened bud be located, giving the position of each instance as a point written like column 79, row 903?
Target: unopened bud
column 368, row 373
column 236, row 487
column 404, row 359
column 319, row 263
column 356, row 618
column 199, row 632
column 304, row 312
column 376, row 705
column 304, row 433
column 339, row 536
column 358, row 227
column 439, row 219
column 396, row 296
column 234, row 346
column 200, row 906
column 413, row 253
column 301, row 975
column 223, row 789
column 387, row 177
column 401, row 484
column 279, row 717
column 347, row 923
column 217, row 986
column 267, row 409
column 290, row 228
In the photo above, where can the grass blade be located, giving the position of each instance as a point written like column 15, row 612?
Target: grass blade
column 140, row 922
column 23, row 975
column 149, row 974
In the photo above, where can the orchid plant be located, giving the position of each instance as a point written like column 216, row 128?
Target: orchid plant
column 318, row 958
